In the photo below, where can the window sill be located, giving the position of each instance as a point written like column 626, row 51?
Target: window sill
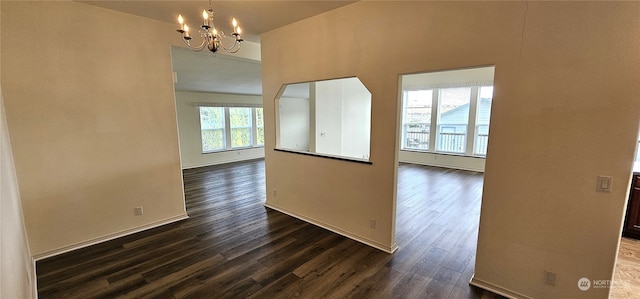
column 233, row 150
column 341, row 158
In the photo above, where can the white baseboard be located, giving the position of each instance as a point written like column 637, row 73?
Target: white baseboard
column 485, row 285
column 386, row 248
column 220, row 162
column 442, row 160
column 108, row 237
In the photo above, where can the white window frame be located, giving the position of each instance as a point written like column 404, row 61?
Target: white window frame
column 471, row 136
column 227, row 127
column 251, row 128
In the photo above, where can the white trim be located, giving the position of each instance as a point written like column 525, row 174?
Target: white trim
column 225, row 105
column 433, row 123
column 108, row 237
column 496, row 289
column 222, row 162
column 448, row 85
column 227, row 129
column 34, row 279
column 474, row 100
column 475, row 163
column 386, row 248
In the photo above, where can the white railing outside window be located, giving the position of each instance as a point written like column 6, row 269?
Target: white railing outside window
column 416, row 136
column 481, row 140
column 464, row 114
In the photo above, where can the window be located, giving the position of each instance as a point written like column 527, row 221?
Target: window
column 212, row 128
column 417, row 119
column 240, row 122
column 259, row 126
column 453, row 119
column 482, row 121
column 226, row 128
column 447, row 112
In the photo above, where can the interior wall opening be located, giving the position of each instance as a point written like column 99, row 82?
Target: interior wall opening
column 444, row 140
column 627, row 266
column 330, row 118
column 218, row 106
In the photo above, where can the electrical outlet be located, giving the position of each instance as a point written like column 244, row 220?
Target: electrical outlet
column 139, row 211
column 372, row 223
column 275, row 194
column 549, row 278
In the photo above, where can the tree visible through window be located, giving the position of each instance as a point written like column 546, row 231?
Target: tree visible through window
column 226, row 128
column 259, row 126
column 240, row 122
column 212, row 128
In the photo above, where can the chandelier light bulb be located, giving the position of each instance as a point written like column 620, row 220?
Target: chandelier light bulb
column 238, row 30
column 205, row 16
column 234, row 23
column 186, row 30
column 180, row 20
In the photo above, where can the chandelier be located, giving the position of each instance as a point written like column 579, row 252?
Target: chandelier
column 212, row 39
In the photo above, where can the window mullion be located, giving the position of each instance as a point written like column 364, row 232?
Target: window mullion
column 227, row 127
column 433, row 126
column 254, row 127
column 471, row 123
column 403, row 138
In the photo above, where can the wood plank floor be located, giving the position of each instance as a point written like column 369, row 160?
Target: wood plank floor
column 234, row 247
column 626, row 279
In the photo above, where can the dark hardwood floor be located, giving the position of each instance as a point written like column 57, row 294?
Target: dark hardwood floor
column 234, row 247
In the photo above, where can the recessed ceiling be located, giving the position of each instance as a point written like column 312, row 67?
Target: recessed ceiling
column 255, row 17
column 204, row 72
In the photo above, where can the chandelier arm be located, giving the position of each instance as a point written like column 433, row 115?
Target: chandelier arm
column 198, row 48
column 233, row 49
column 212, row 39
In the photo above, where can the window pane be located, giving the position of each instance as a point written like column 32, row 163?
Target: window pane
column 212, row 128
column 453, row 118
column 259, row 126
column 240, row 122
column 482, row 120
column 417, row 119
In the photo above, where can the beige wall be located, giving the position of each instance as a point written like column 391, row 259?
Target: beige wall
column 564, row 112
column 189, row 129
column 17, row 275
column 90, row 108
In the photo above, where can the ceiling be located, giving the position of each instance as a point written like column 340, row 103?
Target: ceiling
column 255, row 17
column 204, row 72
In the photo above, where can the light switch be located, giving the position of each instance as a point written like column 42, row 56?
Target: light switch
column 603, row 183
